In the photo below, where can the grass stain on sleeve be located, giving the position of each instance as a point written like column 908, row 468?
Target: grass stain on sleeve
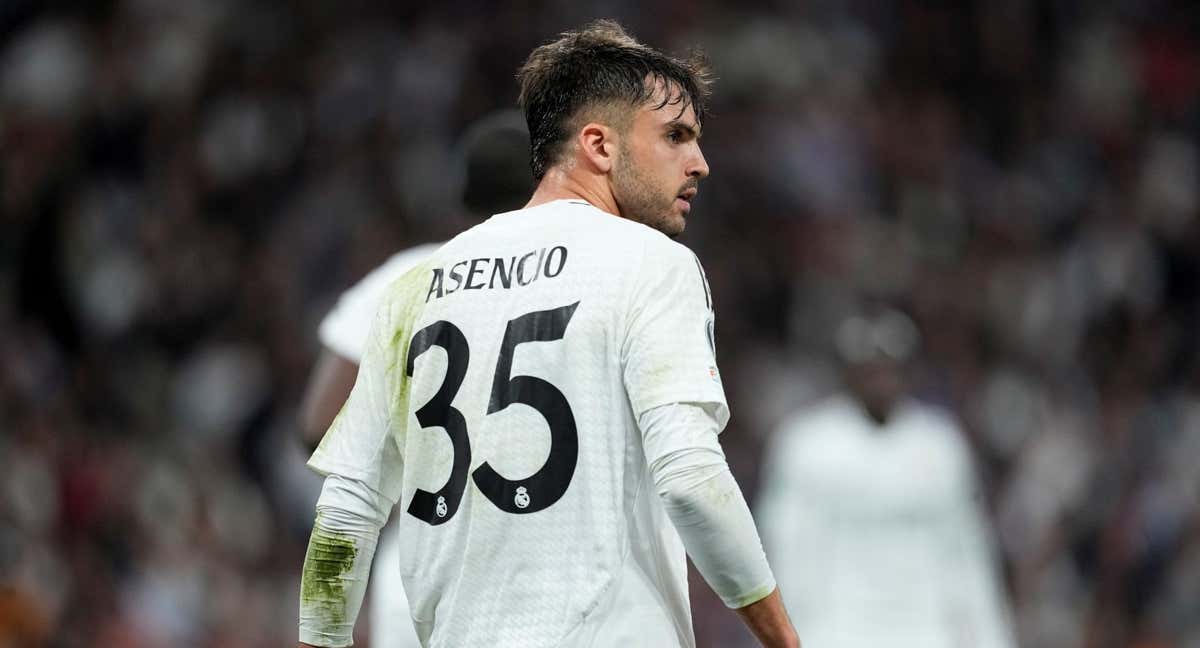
column 322, row 585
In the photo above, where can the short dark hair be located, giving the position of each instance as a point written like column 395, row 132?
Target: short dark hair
column 599, row 64
column 496, row 164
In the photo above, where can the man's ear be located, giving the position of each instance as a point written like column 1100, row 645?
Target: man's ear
column 598, row 145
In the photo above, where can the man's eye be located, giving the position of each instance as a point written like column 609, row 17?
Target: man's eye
column 674, row 136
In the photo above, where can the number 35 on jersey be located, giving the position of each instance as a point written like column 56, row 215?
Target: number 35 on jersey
column 546, row 485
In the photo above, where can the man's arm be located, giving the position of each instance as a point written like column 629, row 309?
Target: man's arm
column 328, row 387
column 360, row 457
column 338, row 562
column 706, row 506
column 670, row 373
column 769, row 622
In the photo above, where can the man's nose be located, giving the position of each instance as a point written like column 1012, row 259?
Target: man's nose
column 699, row 166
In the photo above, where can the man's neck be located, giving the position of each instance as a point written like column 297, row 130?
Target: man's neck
column 558, row 184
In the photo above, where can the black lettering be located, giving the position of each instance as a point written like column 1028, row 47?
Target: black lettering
column 549, row 260
column 435, row 285
column 521, row 270
column 456, row 276
column 471, row 272
column 538, row 264
column 504, row 273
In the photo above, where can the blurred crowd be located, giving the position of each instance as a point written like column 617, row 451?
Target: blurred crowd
column 186, row 187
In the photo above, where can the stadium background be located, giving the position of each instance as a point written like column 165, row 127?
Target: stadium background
column 186, row 186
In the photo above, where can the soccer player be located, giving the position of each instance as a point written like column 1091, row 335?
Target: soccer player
column 542, row 398
column 497, row 179
column 868, row 513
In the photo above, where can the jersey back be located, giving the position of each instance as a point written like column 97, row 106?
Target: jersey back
column 497, row 403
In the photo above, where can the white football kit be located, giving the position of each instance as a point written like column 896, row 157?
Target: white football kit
column 498, row 403
column 874, row 533
column 344, row 331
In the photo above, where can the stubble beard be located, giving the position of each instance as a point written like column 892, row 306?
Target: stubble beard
column 639, row 201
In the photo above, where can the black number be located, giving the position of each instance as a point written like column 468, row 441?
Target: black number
column 547, row 485
column 437, row 508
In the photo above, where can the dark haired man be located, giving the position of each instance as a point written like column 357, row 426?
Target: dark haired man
column 542, row 398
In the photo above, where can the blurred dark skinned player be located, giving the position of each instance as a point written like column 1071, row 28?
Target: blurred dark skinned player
column 541, row 396
column 876, row 377
column 869, row 510
column 495, row 152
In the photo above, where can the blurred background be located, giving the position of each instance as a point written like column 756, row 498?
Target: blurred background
column 187, row 186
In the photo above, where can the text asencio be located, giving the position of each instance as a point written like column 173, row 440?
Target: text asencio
column 497, row 272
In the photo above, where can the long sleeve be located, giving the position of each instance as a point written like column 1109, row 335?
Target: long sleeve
column 338, row 561
column 705, row 503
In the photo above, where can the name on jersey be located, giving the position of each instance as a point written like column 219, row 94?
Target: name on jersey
column 493, row 273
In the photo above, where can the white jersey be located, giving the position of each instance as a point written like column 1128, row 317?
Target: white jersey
column 874, row 534
column 497, row 403
column 344, row 331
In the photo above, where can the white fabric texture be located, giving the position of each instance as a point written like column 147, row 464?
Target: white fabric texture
column 391, row 625
column 705, row 503
column 874, row 532
column 622, row 323
column 347, row 510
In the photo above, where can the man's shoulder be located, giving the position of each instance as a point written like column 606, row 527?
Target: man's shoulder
column 649, row 247
column 623, row 241
column 935, row 425
column 930, row 417
column 652, row 241
column 806, row 437
column 824, row 418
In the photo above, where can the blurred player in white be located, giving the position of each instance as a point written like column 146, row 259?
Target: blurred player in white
column 541, row 396
column 495, row 152
column 869, row 514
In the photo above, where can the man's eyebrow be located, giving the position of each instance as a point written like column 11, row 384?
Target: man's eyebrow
column 693, row 131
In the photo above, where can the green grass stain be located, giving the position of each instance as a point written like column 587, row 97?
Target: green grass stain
column 322, row 584
column 331, row 555
column 406, row 299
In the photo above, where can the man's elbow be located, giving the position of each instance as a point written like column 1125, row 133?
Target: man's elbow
column 696, row 494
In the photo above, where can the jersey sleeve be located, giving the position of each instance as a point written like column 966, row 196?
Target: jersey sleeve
column 668, row 354
column 363, row 443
